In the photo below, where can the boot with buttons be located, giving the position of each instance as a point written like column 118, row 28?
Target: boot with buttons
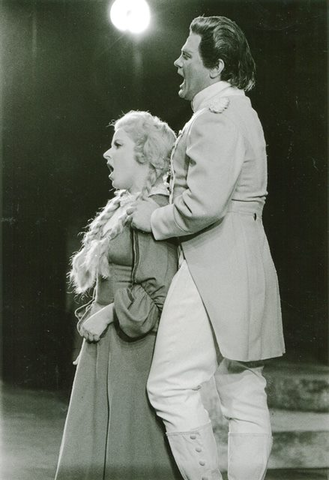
column 196, row 453
column 248, row 455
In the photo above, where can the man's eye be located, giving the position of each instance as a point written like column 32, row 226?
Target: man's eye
column 117, row 144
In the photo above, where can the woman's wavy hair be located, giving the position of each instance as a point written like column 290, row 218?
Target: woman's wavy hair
column 221, row 38
column 154, row 140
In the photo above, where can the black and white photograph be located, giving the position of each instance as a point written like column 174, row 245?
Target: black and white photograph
column 164, row 240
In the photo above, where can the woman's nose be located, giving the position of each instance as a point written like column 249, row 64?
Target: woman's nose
column 107, row 154
column 108, row 158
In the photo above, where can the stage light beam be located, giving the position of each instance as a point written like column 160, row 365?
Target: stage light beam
column 130, row 15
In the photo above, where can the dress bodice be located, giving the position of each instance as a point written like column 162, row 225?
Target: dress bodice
column 120, row 258
column 137, row 278
column 120, row 277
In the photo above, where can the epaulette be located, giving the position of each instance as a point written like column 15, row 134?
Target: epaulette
column 219, row 105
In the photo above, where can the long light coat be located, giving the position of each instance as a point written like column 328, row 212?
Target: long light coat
column 219, row 181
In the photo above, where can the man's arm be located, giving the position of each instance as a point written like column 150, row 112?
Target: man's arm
column 216, row 152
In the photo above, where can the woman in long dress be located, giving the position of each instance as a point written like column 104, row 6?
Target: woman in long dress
column 111, row 431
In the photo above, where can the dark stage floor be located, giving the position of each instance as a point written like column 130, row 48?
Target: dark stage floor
column 31, row 429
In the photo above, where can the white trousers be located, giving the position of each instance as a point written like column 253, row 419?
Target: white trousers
column 186, row 355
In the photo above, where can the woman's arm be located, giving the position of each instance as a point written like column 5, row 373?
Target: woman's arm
column 137, row 309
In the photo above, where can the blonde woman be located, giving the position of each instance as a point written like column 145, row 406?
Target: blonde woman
column 111, row 431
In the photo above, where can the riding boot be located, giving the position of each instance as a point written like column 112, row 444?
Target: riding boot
column 248, row 455
column 196, row 453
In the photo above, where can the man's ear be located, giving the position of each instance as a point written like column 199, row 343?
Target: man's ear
column 217, row 70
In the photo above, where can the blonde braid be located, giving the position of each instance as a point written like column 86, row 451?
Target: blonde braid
column 94, row 254
column 150, row 182
column 83, row 271
column 153, row 141
column 101, row 219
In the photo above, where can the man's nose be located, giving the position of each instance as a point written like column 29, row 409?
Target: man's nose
column 177, row 62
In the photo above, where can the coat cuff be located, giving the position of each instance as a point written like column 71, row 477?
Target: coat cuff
column 163, row 223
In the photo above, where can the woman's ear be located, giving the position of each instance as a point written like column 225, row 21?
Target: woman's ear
column 217, row 70
column 141, row 158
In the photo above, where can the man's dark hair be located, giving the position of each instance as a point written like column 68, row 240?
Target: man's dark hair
column 221, row 38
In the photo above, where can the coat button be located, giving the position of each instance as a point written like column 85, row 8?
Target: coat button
column 192, row 437
column 198, row 449
column 202, row 463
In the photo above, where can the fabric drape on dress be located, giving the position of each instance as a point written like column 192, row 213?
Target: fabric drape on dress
column 111, row 431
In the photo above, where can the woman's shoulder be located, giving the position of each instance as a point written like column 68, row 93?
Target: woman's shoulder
column 160, row 198
column 159, row 194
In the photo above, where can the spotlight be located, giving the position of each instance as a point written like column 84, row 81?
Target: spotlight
column 131, row 15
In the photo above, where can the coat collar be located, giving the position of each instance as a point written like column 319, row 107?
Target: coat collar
column 207, row 95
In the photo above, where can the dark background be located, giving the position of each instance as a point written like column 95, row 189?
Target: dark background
column 66, row 72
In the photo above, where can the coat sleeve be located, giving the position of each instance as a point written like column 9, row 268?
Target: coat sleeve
column 215, row 152
column 137, row 309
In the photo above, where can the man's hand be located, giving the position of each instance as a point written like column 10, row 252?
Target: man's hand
column 92, row 328
column 140, row 214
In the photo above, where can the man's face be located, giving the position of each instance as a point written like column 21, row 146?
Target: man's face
column 190, row 67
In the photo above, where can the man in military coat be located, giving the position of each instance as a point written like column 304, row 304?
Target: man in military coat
column 222, row 313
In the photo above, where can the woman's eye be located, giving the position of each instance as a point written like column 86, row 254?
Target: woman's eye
column 117, row 144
